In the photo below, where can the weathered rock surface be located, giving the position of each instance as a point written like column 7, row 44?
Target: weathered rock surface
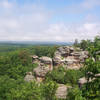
column 69, row 57
column 35, row 59
column 66, row 56
column 45, row 60
column 44, row 66
column 29, row 77
column 41, row 70
column 61, row 92
column 83, row 80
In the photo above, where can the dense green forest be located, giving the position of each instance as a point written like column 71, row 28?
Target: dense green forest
column 15, row 61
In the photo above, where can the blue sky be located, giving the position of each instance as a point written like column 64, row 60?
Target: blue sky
column 49, row 20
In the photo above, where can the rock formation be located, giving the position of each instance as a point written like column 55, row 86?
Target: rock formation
column 44, row 66
column 29, row 77
column 61, row 92
column 69, row 57
column 66, row 56
column 84, row 80
column 34, row 59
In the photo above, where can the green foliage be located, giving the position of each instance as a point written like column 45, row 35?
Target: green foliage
column 26, row 91
column 16, row 65
column 76, row 43
column 57, row 75
column 49, row 89
column 63, row 76
column 92, row 67
column 75, row 94
column 90, row 90
column 16, row 61
column 11, row 89
column 84, row 44
column 72, row 76
column 43, row 50
column 6, row 84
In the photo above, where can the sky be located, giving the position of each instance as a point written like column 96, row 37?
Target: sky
column 49, row 20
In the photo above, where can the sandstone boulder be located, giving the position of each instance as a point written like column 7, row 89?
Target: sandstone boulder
column 82, row 81
column 45, row 60
column 57, row 61
column 42, row 70
column 35, row 59
column 61, row 92
column 44, row 66
column 29, row 77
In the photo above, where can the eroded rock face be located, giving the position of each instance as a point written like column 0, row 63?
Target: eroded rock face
column 41, row 70
column 35, row 59
column 44, row 66
column 84, row 80
column 69, row 57
column 66, row 56
column 45, row 60
column 29, row 77
column 61, row 92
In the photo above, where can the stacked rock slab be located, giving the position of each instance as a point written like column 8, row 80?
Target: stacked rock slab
column 69, row 57
column 44, row 66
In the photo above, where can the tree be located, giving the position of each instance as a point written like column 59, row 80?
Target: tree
column 75, row 94
column 92, row 70
column 49, row 89
column 76, row 43
column 84, row 44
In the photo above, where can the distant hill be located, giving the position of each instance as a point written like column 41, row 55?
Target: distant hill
column 33, row 43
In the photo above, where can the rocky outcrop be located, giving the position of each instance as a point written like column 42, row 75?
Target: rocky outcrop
column 61, row 92
column 35, row 59
column 44, row 66
column 84, row 80
column 29, row 77
column 46, row 60
column 41, row 70
column 66, row 56
column 69, row 57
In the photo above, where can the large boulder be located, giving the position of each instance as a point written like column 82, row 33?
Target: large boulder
column 42, row 70
column 29, row 77
column 83, row 56
column 57, row 60
column 44, row 66
column 35, row 59
column 82, row 81
column 61, row 92
column 45, row 60
column 64, row 51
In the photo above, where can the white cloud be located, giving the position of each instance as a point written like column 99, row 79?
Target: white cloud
column 78, row 7
column 62, row 32
column 89, row 4
column 5, row 4
column 32, row 22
